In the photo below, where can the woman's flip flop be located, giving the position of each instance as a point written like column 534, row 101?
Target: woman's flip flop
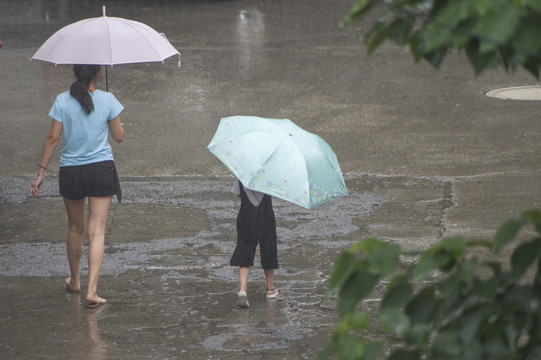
column 92, row 305
column 69, row 288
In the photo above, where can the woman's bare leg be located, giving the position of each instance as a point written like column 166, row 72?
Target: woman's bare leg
column 75, row 210
column 98, row 210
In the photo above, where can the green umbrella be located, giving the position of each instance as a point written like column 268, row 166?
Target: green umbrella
column 276, row 157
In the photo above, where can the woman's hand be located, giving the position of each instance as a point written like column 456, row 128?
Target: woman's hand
column 50, row 144
column 36, row 186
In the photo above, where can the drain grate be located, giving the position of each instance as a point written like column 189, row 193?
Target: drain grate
column 517, row 93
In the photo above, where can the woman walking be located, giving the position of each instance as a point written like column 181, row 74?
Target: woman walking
column 86, row 116
column 255, row 224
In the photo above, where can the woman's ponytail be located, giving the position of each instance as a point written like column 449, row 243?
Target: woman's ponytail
column 79, row 89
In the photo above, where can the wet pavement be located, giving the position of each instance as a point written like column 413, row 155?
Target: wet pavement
column 424, row 152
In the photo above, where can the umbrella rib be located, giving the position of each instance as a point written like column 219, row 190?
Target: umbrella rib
column 252, row 179
column 262, row 165
column 150, row 42
column 109, row 36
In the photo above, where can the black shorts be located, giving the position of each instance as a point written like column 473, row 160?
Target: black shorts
column 255, row 225
column 95, row 180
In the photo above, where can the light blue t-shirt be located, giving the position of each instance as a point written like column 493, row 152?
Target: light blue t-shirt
column 86, row 136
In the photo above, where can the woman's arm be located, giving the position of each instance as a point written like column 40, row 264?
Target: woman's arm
column 50, row 144
column 117, row 131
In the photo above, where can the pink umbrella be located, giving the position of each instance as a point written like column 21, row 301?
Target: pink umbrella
column 106, row 41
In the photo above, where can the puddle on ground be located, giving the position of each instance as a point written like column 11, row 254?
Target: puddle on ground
column 168, row 248
column 167, row 252
column 204, row 212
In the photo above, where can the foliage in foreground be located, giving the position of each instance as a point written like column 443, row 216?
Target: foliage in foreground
column 475, row 309
column 493, row 33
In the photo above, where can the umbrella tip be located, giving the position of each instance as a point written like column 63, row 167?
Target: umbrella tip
column 103, row 10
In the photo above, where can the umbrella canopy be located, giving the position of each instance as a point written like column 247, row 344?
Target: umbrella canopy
column 105, row 41
column 276, row 157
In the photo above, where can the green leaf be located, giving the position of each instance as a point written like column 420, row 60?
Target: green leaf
column 496, row 347
column 341, row 329
column 350, row 347
column 359, row 10
column 534, row 217
column 479, row 243
column 425, row 267
column 341, row 271
column 526, row 39
column 500, row 23
column 422, row 306
column 435, row 38
column 472, row 350
column 516, row 297
column 418, row 335
column 401, row 354
column 356, row 320
column 375, row 38
column 463, row 276
column 442, row 255
column 451, row 309
column 524, row 256
column 534, row 4
column 483, row 7
column 532, row 64
column 400, row 29
column 472, row 320
column 384, row 259
column 372, row 350
column 512, row 331
column 466, row 270
column 534, row 354
column 366, row 245
column 446, row 343
column 394, row 320
column 452, row 13
column 414, row 45
column 397, row 295
column 478, row 61
column 357, row 286
column 486, row 289
column 454, row 245
column 487, row 47
column 505, row 234
column 462, row 34
column 435, row 58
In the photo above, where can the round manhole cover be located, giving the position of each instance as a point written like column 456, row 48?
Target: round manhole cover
column 517, row 93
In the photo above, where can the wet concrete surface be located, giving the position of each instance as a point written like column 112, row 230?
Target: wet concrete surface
column 424, row 152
